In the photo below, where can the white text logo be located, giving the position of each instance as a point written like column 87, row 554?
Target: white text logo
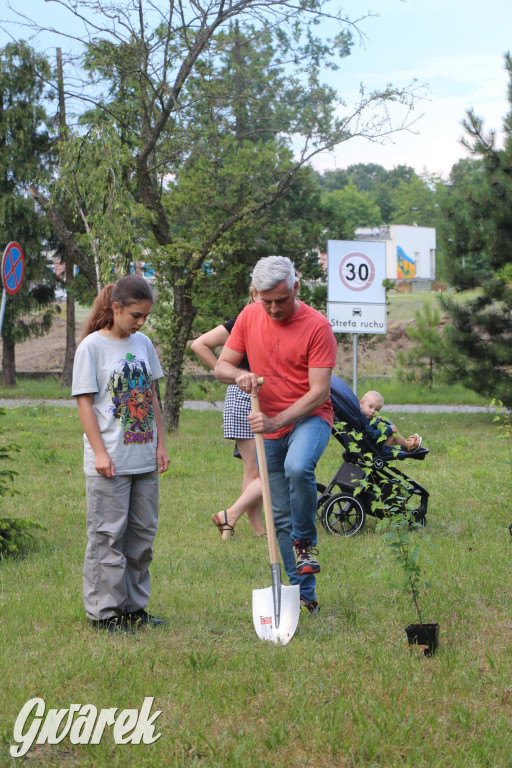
column 130, row 726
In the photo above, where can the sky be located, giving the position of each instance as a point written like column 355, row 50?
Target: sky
column 453, row 47
column 457, row 48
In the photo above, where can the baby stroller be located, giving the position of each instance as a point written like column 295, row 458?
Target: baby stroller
column 342, row 510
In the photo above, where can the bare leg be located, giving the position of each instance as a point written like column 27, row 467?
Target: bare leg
column 411, row 444
column 396, row 439
column 250, row 499
column 247, row 450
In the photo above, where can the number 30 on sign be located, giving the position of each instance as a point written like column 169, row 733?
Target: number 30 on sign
column 357, row 271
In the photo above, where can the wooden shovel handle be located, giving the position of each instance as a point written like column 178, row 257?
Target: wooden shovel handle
column 265, row 487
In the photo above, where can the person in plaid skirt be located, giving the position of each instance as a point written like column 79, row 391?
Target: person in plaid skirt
column 237, row 406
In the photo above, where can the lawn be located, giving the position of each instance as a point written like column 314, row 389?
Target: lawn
column 402, row 306
column 346, row 691
column 392, row 389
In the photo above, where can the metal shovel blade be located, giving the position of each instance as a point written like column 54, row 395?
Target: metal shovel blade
column 264, row 618
column 275, row 610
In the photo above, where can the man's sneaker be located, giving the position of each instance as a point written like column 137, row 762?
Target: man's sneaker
column 309, row 609
column 304, row 560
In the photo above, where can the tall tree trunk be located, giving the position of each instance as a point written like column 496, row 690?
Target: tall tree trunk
column 67, row 372
column 8, row 363
column 184, row 313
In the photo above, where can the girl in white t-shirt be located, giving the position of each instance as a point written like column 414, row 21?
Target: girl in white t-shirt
column 114, row 377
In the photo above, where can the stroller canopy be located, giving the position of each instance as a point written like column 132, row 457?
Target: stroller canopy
column 346, row 405
column 347, row 410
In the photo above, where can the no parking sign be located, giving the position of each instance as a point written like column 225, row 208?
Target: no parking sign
column 12, row 272
column 13, row 268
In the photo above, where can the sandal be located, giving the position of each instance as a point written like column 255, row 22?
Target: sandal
column 413, row 443
column 225, row 529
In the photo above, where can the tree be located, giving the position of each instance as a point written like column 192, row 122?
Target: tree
column 344, row 210
column 480, row 331
column 90, row 179
column 236, row 155
column 331, row 180
column 424, row 360
column 462, row 237
column 24, row 154
column 365, row 176
column 414, row 202
column 384, row 189
column 401, row 195
column 141, row 59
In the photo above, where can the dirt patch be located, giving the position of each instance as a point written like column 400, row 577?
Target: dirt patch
column 376, row 355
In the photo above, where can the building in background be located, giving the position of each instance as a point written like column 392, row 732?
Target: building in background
column 410, row 252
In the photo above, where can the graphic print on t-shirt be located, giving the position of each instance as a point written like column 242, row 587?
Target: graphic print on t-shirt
column 273, row 368
column 132, row 403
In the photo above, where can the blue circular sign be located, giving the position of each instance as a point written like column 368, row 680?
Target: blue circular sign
column 13, row 268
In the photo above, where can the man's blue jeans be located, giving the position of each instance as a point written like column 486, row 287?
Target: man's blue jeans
column 291, row 462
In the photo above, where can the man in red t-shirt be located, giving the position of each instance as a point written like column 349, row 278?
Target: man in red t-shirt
column 293, row 347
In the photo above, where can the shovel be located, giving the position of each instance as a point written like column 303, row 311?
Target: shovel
column 276, row 609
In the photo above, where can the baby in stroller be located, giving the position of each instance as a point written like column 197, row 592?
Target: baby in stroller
column 368, row 463
column 371, row 403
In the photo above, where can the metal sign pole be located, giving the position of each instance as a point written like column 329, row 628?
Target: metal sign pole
column 354, row 363
column 2, row 309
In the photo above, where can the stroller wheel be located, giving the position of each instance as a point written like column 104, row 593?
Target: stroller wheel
column 343, row 515
column 320, row 490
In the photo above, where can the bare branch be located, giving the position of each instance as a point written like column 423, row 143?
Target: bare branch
column 63, row 233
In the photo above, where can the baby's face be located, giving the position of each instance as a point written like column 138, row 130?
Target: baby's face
column 369, row 404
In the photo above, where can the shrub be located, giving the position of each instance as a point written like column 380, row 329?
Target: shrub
column 14, row 535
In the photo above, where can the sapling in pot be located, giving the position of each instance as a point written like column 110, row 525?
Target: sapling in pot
column 406, row 553
column 391, row 500
column 398, row 535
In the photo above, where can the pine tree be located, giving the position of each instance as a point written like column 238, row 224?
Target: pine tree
column 24, row 154
column 480, row 332
column 423, row 361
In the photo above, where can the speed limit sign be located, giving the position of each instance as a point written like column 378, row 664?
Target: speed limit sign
column 356, row 297
column 357, row 271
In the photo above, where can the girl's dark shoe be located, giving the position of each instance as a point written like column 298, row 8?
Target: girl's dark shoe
column 113, row 625
column 142, row 618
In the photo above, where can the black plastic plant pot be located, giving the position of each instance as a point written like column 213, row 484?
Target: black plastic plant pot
column 425, row 636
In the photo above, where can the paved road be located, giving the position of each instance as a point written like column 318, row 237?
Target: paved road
column 194, row 405
column 203, row 405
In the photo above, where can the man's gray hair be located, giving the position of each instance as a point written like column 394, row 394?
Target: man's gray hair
column 271, row 271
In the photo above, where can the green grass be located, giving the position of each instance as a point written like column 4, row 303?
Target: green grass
column 393, row 391
column 399, row 392
column 402, row 306
column 346, row 691
column 49, row 388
